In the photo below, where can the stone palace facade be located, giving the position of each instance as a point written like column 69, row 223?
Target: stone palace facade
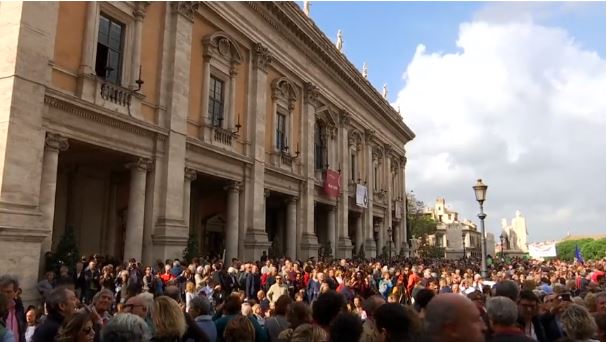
column 140, row 123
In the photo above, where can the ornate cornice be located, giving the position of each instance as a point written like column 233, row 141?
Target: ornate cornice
column 261, row 57
column 287, row 18
column 186, row 8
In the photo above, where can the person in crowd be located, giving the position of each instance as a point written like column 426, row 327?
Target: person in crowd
column 508, row 289
column 102, row 304
column 357, row 308
column 453, row 318
column 6, row 335
column 529, row 319
column 231, row 309
column 60, row 303
column 277, row 290
column 422, row 298
column 190, row 292
column 370, row 332
column 77, row 328
column 31, row 318
column 46, row 284
column 65, row 278
column 79, row 281
column 92, row 280
column 346, row 327
column 313, row 289
column 107, row 280
column 503, row 314
column 239, row 329
column 578, row 323
column 326, row 307
column 126, row 327
column 169, row 320
column 252, row 282
column 396, row 322
column 278, row 322
column 385, row 285
column 138, row 305
column 15, row 316
column 200, row 310
column 192, row 329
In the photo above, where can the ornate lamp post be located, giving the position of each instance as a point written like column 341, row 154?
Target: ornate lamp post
column 464, row 243
column 480, row 190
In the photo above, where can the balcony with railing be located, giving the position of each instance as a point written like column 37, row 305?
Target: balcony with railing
column 222, row 136
column 116, row 94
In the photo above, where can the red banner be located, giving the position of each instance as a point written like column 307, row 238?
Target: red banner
column 332, row 183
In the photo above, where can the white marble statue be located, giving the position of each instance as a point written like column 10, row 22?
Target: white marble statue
column 385, row 92
column 306, row 8
column 519, row 227
column 340, row 41
column 365, row 71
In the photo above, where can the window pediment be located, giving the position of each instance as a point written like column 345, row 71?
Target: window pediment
column 283, row 89
column 220, row 45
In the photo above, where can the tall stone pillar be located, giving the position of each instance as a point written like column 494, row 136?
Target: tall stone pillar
column 308, row 243
column 331, row 231
column 388, row 181
column 360, row 240
column 404, row 223
column 257, row 239
column 110, row 239
column 133, row 244
column 291, row 233
column 54, row 143
column 232, row 222
column 370, row 246
column 190, row 176
column 170, row 232
column 343, row 246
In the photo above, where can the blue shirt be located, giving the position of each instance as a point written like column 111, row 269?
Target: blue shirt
column 206, row 324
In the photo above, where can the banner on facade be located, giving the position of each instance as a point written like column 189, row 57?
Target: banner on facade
column 332, row 183
column 362, row 197
column 398, row 210
column 542, row 250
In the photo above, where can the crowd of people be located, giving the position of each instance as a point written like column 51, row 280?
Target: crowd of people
column 397, row 299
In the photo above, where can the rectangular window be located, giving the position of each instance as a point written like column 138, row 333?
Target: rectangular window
column 281, row 131
column 319, row 147
column 216, row 101
column 110, row 49
column 375, row 177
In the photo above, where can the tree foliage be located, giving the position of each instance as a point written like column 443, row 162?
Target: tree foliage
column 192, row 249
column 591, row 249
column 419, row 223
column 66, row 253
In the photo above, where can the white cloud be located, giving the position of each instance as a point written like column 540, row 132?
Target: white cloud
column 521, row 106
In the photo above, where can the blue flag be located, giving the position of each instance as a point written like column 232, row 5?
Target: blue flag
column 578, row 255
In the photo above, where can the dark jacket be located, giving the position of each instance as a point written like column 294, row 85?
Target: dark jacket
column 20, row 315
column 510, row 336
column 253, row 285
column 551, row 328
column 48, row 329
column 538, row 328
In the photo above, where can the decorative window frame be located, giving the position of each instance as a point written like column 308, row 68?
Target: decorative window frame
column 355, row 144
column 283, row 101
column 221, row 58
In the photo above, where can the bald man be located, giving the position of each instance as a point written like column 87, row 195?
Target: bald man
column 452, row 317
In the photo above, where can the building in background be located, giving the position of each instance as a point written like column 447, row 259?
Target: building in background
column 143, row 123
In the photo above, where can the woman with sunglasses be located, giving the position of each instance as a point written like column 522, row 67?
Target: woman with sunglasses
column 77, row 328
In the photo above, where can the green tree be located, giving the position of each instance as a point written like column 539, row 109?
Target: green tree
column 594, row 249
column 192, row 249
column 565, row 250
column 67, row 252
column 418, row 222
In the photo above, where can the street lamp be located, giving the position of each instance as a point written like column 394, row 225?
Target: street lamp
column 480, row 190
column 464, row 243
column 389, row 242
column 502, row 238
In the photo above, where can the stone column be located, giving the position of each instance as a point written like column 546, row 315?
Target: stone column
column 232, row 221
column 359, row 232
column 205, row 121
column 87, row 61
column 370, row 246
column 231, row 119
column 139, row 14
column 54, row 143
column 133, row 244
column 190, row 176
column 291, row 233
column 331, row 233
column 343, row 247
column 308, row 243
column 388, row 181
column 404, row 226
column 257, row 238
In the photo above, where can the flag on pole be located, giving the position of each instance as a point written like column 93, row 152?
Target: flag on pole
column 578, row 255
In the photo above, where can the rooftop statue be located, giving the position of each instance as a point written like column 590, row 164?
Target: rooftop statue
column 340, row 41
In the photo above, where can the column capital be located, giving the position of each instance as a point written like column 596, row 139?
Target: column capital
column 56, row 142
column 291, row 199
column 141, row 164
column 311, row 94
column 369, row 134
column 232, row 187
column 266, row 193
column 190, row 174
column 262, row 57
column 186, row 8
column 139, row 10
column 344, row 118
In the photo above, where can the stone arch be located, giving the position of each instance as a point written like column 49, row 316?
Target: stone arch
column 283, row 88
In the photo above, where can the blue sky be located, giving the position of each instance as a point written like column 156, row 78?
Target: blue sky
column 511, row 92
